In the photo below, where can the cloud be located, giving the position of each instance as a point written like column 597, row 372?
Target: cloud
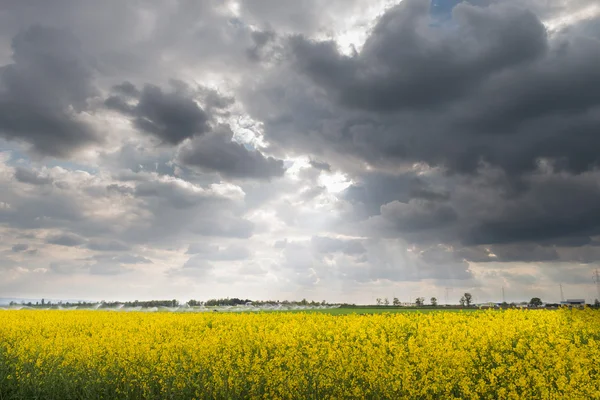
column 123, row 259
column 445, row 96
column 217, row 152
column 406, row 65
column 27, row 176
column 417, row 215
column 217, row 253
column 21, row 247
column 171, row 117
column 65, row 239
column 45, row 90
column 320, row 165
column 107, row 245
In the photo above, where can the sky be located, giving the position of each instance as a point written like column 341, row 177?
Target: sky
column 286, row 149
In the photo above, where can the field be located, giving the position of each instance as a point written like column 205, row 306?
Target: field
column 461, row 355
column 378, row 310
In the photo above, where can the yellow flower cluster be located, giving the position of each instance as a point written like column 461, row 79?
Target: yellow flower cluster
column 482, row 355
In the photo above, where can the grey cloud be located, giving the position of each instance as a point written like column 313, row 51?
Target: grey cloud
column 65, row 239
column 28, row 176
column 417, row 215
column 126, row 88
column 569, row 274
column 554, row 208
column 497, row 75
column 45, row 88
column 118, row 103
column 18, row 248
column 216, row 152
column 372, row 190
column 403, row 65
column 172, row 117
column 107, row 245
column 260, row 40
column 320, row 165
column 173, row 192
column 215, row 100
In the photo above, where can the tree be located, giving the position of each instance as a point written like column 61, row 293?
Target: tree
column 597, row 303
column 433, row 301
column 535, row 302
column 378, row 301
column 462, row 301
column 396, row 301
column 386, row 302
column 468, row 298
column 420, row 301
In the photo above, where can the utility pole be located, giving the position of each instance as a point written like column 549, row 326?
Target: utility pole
column 562, row 296
column 503, row 296
column 446, row 297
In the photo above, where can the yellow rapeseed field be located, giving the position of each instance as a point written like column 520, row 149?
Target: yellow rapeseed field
column 482, row 355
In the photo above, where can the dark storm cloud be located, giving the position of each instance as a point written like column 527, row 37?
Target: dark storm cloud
column 171, row 117
column 45, row 88
column 417, row 215
column 494, row 88
column 554, row 208
column 216, row 152
column 405, row 65
column 25, row 175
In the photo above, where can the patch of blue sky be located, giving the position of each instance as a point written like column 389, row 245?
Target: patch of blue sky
column 441, row 10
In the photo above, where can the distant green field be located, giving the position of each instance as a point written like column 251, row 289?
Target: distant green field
column 379, row 310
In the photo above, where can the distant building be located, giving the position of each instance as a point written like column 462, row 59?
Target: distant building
column 573, row 303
